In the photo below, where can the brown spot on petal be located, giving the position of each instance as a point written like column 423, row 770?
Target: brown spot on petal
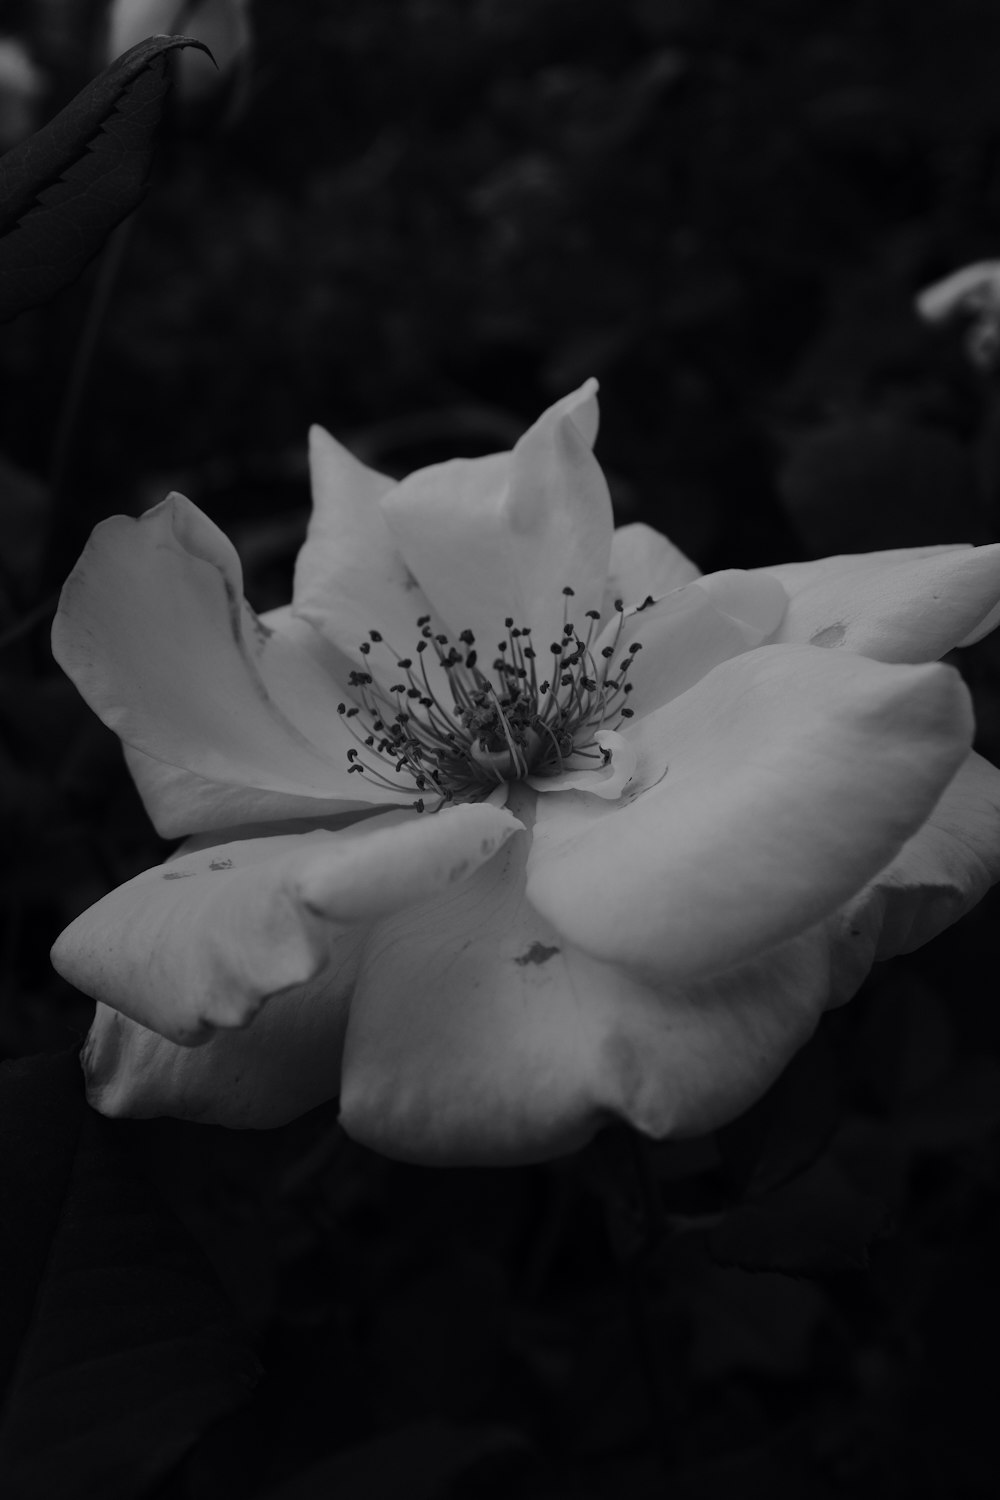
column 177, row 874
column 221, row 864
column 536, row 954
column 830, row 635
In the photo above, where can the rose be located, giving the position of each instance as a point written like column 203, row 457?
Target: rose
column 629, row 904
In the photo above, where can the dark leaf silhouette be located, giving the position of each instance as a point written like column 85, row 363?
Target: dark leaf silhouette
column 815, row 1223
column 419, row 1462
column 109, row 1315
column 785, row 1132
column 64, row 189
column 863, row 483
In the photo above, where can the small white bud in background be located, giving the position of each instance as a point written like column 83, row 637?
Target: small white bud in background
column 21, row 85
column 970, row 296
column 971, row 290
column 223, row 25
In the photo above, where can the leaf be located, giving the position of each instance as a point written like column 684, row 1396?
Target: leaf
column 64, row 189
column 818, row 1222
column 116, row 1345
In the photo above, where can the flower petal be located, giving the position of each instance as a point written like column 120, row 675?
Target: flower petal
column 472, row 1036
column 794, row 776
column 685, row 1059
column 582, row 406
column 503, row 535
column 940, row 873
column 644, row 563
column 478, row 1035
column 179, row 802
column 349, row 576
column 509, row 1047
column 911, row 605
column 205, row 940
column 688, row 632
column 153, row 630
column 606, row 780
column 285, row 1062
column 756, row 600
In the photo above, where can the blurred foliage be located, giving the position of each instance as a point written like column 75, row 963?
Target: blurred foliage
column 418, row 222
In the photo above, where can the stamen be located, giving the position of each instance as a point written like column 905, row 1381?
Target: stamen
column 495, row 729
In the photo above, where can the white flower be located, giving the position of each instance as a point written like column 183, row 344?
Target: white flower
column 611, row 915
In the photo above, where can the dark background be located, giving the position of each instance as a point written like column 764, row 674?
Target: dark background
column 418, row 222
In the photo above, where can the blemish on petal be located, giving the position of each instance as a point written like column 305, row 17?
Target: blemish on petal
column 486, row 846
column 177, row 874
column 830, row 635
column 221, row 864
column 538, row 953
column 457, row 871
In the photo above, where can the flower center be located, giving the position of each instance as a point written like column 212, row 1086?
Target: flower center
column 525, row 717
